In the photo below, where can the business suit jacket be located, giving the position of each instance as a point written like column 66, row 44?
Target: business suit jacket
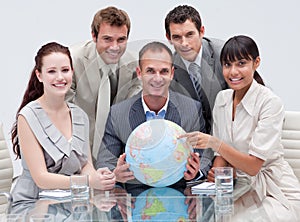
column 212, row 77
column 88, row 80
column 125, row 116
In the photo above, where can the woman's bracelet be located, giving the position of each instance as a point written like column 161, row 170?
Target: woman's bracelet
column 219, row 148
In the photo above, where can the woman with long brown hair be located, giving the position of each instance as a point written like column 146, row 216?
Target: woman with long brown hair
column 50, row 135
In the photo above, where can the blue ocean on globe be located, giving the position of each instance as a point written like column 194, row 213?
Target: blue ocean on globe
column 160, row 204
column 156, row 157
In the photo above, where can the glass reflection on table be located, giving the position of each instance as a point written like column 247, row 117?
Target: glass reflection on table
column 152, row 204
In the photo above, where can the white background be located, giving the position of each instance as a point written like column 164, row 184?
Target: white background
column 27, row 25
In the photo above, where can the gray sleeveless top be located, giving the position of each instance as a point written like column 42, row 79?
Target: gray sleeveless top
column 61, row 156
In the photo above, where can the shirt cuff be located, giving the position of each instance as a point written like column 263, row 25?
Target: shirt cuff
column 199, row 175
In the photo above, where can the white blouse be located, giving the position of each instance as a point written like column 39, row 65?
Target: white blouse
column 257, row 125
column 256, row 130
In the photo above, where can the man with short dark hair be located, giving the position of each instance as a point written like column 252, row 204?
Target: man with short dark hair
column 198, row 71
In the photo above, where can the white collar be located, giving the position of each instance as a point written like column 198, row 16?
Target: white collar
column 197, row 60
column 146, row 108
column 105, row 67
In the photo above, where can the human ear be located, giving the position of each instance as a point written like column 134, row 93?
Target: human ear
column 172, row 72
column 38, row 75
column 94, row 37
column 169, row 38
column 139, row 72
column 257, row 62
column 202, row 31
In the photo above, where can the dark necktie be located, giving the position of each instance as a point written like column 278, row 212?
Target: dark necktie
column 113, row 79
column 194, row 71
column 151, row 115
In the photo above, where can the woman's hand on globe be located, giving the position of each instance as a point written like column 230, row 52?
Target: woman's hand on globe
column 202, row 140
column 192, row 167
column 196, row 139
column 122, row 172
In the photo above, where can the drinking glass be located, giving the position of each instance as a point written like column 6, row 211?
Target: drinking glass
column 223, row 180
column 80, row 188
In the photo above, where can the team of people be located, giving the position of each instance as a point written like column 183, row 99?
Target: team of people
column 82, row 103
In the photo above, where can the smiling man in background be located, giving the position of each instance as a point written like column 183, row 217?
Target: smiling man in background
column 198, row 72
column 103, row 71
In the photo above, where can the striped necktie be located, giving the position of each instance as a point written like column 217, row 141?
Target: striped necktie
column 194, row 71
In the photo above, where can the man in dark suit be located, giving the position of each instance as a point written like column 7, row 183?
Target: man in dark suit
column 198, row 72
column 156, row 71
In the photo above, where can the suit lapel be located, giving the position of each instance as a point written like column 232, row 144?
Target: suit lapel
column 208, row 54
column 210, row 78
column 91, row 67
column 127, row 65
column 182, row 78
column 136, row 113
column 125, row 70
column 99, row 85
column 125, row 76
column 207, row 67
column 103, row 106
column 172, row 113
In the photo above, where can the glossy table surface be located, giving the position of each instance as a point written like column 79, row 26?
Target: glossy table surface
column 154, row 204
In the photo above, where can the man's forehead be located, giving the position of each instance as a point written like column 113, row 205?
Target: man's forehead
column 109, row 30
column 159, row 55
column 154, row 64
column 156, row 60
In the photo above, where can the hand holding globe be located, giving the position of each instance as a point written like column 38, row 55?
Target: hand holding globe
column 157, row 157
column 122, row 170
